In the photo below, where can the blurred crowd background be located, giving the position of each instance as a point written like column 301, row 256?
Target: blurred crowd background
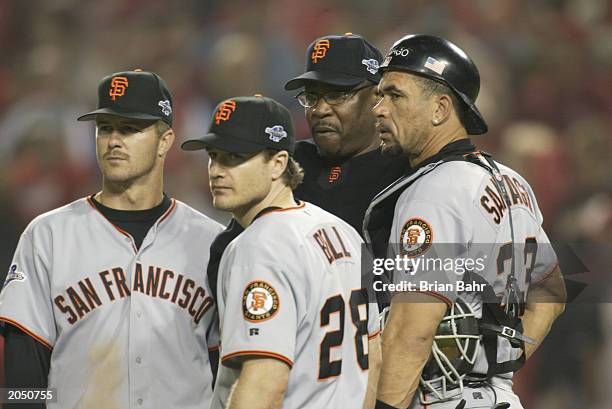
column 546, row 70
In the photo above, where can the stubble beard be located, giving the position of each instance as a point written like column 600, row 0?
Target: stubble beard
column 392, row 151
column 121, row 179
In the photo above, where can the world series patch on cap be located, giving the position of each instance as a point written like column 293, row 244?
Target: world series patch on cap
column 247, row 125
column 343, row 60
column 133, row 94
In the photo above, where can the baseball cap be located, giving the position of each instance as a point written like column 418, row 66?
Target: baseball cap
column 133, row 94
column 247, row 125
column 343, row 60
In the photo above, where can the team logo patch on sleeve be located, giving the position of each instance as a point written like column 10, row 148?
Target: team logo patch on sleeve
column 415, row 238
column 259, row 301
column 14, row 275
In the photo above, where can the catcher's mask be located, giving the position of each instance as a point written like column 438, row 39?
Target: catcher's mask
column 455, row 347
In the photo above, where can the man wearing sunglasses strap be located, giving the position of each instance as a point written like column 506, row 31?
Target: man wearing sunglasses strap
column 343, row 166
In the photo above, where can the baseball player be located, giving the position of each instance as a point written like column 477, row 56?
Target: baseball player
column 296, row 327
column 344, row 169
column 454, row 339
column 111, row 288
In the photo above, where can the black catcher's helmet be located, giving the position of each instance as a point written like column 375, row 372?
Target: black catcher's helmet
column 439, row 59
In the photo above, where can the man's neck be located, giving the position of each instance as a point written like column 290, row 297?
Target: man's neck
column 375, row 144
column 435, row 143
column 136, row 196
column 281, row 197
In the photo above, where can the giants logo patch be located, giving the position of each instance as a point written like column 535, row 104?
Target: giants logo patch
column 117, row 87
column 259, row 301
column 415, row 238
column 334, row 174
column 319, row 51
column 225, row 111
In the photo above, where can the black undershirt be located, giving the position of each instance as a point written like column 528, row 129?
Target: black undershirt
column 135, row 222
column 345, row 187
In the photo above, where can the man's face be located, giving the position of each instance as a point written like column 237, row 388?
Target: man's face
column 403, row 114
column 345, row 129
column 238, row 181
column 126, row 149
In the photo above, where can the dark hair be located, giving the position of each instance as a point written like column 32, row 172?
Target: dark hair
column 432, row 87
column 293, row 174
column 161, row 127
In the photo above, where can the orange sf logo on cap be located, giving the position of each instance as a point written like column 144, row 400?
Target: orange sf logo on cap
column 117, row 87
column 320, row 50
column 225, row 111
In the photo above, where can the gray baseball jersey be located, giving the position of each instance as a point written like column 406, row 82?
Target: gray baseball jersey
column 127, row 328
column 456, row 212
column 290, row 288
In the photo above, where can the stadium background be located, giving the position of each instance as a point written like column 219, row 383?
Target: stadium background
column 546, row 69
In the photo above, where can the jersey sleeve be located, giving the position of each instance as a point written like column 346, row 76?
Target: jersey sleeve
column 260, row 305
column 428, row 241
column 545, row 256
column 540, row 256
column 212, row 333
column 25, row 300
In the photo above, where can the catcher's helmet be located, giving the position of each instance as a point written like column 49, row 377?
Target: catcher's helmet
column 439, row 59
column 455, row 348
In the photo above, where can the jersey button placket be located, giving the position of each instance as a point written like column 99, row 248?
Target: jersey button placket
column 140, row 338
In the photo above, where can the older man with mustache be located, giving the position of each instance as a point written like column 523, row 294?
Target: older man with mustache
column 343, row 166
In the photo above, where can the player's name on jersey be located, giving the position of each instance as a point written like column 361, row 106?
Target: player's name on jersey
column 425, row 286
column 492, row 199
column 332, row 251
column 111, row 285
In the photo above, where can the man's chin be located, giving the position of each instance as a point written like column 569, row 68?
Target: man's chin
column 391, row 150
column 222, row 205
column 118, row 178
column 328, row 144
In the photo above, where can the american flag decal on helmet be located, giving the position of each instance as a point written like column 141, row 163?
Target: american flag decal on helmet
column 435, row 65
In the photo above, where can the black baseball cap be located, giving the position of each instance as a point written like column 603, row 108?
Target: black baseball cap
column 133, row 94
column 247, row 125
column 343, row 60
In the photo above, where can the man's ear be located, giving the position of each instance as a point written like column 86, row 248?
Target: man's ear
column 280, row 161
column 165, row 142
column 442, row 110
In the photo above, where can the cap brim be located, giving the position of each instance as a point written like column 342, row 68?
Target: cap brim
column 225, row 143
column 326, row 77
column 91, row 116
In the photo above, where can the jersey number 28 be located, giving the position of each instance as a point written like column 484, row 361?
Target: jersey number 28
column 333, row 339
